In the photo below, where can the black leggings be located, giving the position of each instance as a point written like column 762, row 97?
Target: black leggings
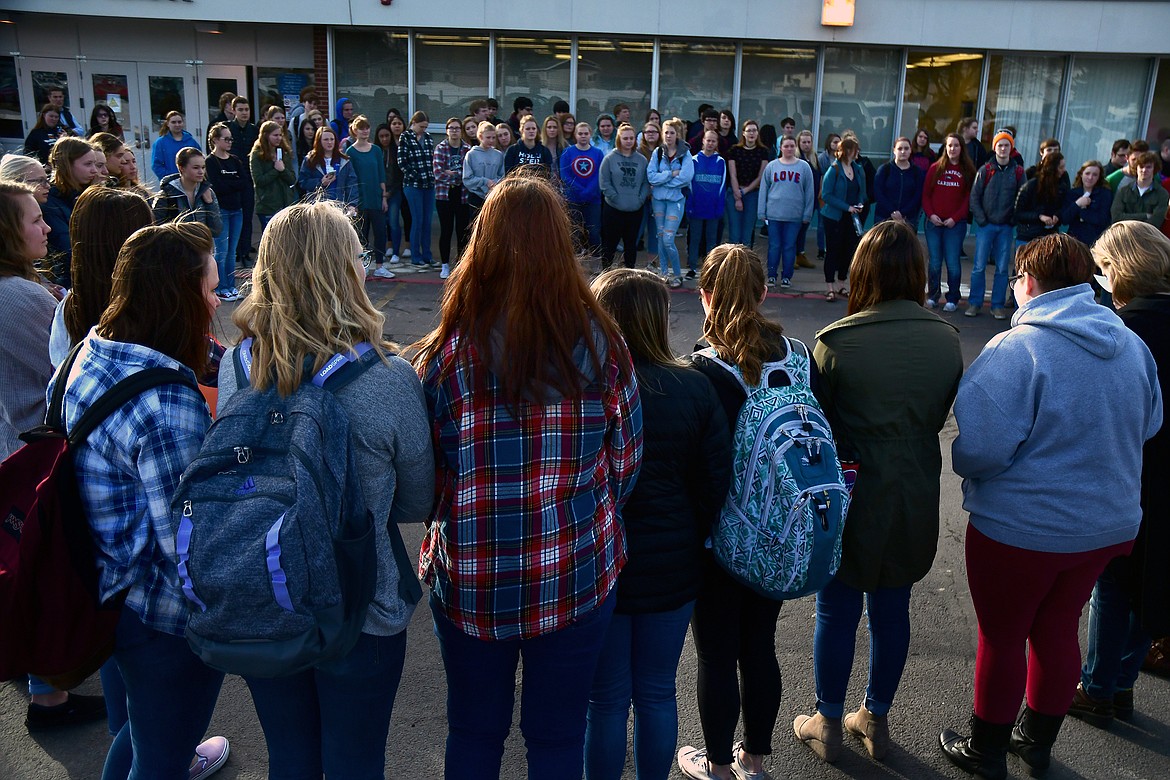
column 732, row 625
column 453, row 216
column 841, row 241
column 617, row 225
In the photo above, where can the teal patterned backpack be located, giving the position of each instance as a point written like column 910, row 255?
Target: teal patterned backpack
column 780, row 529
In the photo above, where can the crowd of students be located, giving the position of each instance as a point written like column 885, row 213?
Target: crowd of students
column 563, row 457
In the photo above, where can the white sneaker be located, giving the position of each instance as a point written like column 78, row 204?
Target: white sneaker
column 445, row 271
column 383, row 273
column 406, row 254
column 395, row 260
column 931, row 303
column 740, row 771
column 950, row 307
column 693, row 763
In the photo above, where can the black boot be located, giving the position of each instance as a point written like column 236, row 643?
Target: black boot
column 1032, row 739
column 984, row 753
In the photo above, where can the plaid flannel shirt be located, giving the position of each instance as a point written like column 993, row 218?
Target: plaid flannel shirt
column 416, row 159
column 127, row 472
column 448, row 164
column 525, row 536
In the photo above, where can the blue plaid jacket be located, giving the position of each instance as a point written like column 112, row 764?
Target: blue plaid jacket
column 127, row 472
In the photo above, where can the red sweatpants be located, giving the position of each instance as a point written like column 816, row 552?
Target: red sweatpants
column 1035, row 597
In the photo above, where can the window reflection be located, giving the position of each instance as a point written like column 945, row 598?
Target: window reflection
column 941, row 89
column 611, row 72
column 371, row 70
column 860, row 88
column 693, row 73
column 536, row 67
column 1104, row 104
column 450, row 72
column 1024, row 93
column 775, row 83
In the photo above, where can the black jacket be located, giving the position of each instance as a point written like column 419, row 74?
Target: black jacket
column 1145, row 572
column 1030, row 207
column 686, row 472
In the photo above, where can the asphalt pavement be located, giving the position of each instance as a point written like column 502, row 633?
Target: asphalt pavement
column 935, row 690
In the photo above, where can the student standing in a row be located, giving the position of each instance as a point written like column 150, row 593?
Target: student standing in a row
column 625, row 189
column 580, row 167
column 786, row 204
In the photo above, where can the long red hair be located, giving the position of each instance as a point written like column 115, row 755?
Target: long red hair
column 519, row 278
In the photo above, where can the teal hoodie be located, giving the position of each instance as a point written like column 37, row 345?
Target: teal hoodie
column 1052, row 417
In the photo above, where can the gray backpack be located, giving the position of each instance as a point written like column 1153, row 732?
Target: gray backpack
column 275, row 541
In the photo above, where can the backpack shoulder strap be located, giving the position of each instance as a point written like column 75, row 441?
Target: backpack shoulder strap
column 710, row 354
column 341, row 369
column 800, row 372
column 53, row 417
column 125, row 390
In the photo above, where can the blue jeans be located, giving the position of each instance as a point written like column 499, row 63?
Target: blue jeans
column 170, row 696
column 1117, row 643
column 481, row 691
column 741, row 225
column 586, row 217
column 701, row 237
column 639, row 662
column 422, row 216
column 667, row 215
column 992, row 241
column 782, row 244
column 838, row 613
column 394, row 221
column 333, row 719
column 648, row 226
column 946, row 244
column 225, row 247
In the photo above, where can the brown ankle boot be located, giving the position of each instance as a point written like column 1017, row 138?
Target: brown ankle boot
column 821, row 734
column 874, row 731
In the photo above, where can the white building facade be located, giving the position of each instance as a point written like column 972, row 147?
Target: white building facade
column 1085, row 71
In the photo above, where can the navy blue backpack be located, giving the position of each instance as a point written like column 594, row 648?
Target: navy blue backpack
column 275, row 542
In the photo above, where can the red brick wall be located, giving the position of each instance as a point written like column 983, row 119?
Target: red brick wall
column 321, row 67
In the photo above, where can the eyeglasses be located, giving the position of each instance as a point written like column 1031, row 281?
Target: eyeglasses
column 36, row 182
column 1013, row 279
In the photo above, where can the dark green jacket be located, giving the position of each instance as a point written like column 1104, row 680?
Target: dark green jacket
column 275, row 189
column 888, row 377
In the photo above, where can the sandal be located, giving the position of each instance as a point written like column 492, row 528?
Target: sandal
column 843, row 291
column 830, row 296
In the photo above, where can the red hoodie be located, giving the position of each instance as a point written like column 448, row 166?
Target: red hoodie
column 949, row 198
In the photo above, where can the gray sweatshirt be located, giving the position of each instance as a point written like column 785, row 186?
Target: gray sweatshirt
column 395, row 463
column 786, row 191
column 624, row 185
column 479, row 166
column 25, row 369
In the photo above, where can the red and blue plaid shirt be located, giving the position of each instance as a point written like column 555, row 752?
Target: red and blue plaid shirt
column 525, row 536
column 448, row 164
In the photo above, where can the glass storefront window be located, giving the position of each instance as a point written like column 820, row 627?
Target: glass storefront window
column 692, row 73
column 282, row 86
column 613, row 71
column 941, row 89
column 450, row 73
column 1104, row 104
column 371, row 69
column 10, row 125
column 535, row 67
column 777, row 82
column 859, row 91
column 1159, row 127
column 1024, row 93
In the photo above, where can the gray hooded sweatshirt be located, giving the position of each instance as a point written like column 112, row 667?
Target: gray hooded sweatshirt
column 1052, row 417
column 624, row 185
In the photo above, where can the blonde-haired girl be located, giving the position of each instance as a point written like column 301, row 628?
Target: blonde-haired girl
column 308, row 303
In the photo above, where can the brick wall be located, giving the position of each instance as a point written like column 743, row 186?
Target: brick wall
column 321, row 67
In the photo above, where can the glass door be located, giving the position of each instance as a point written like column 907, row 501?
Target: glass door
column 40, row 75
column 115, row 85
column 163, row 88
column 214, row 80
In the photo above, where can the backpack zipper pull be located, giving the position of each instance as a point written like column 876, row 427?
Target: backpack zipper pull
column 187, row 509
column 243, row 454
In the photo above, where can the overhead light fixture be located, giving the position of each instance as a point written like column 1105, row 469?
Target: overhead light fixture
column 211, row 28
column 837, row 13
